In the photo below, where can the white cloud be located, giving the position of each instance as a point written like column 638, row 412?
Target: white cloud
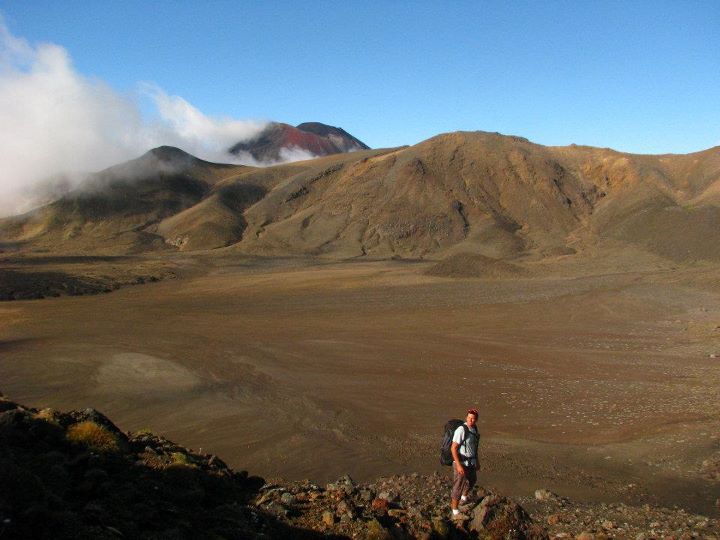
column 199, row 134
column 54, row 121
column 294, row 153
column 59, row 123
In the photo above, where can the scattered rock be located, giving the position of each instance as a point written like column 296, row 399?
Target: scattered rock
column 375, row 531
column 389, row 496
column 345, row 508
column 499, row 517
column 440, row 527
column 544, row 495
column 152, row 484
column 328, row 518
column 344, row 484
column 460, row 519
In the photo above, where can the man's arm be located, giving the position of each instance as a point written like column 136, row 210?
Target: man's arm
column 456, row 458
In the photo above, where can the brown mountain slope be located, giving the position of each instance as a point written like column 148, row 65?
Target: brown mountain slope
column 220, row 219
column 116, row 210
column 491, row 195
column 464, row 194
column 665, row 204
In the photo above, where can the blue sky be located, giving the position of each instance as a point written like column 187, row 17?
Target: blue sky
column 636, row 76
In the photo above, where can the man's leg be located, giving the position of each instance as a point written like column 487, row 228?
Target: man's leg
column 470, row 480
column 459, row 486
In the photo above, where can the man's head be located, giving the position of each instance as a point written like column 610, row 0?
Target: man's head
column 471, row 418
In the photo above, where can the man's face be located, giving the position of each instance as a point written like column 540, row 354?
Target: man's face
column 470, row 420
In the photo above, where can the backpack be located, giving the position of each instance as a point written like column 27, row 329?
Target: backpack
column 446, row 457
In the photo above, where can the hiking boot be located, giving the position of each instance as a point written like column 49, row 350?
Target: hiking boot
column 464, row 505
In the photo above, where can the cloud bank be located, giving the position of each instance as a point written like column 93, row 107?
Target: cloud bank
column 57, row 125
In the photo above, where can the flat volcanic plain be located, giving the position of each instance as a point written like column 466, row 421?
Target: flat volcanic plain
column 600, row 384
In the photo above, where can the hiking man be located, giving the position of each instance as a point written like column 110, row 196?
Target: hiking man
column 464, row 452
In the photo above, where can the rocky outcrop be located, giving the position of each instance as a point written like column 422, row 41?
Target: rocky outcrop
column 413, row 506
column 39, row 277
column 77, row 475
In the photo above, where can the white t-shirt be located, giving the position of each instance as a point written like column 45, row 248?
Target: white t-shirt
column 468, row 446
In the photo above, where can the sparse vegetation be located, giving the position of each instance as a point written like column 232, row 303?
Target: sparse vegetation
column 48, row 415
column 93, row 436
column 153, row 488
column 180, row 459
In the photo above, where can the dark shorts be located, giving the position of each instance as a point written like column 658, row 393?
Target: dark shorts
column 462, row 483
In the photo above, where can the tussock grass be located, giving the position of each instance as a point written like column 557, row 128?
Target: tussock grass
column 180, row 459
column 93, row 436
column 48, row 415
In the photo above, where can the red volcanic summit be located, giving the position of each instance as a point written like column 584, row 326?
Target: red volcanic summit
column 310, row 137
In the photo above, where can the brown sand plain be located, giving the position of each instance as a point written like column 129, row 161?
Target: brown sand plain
column 599, row 385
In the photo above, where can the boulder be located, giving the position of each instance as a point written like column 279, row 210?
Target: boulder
column 440, row 527
column 380, row 505
column 497, row 518
column 544, row 495
column 375, row 531
column 344, row 484
column 328, row 518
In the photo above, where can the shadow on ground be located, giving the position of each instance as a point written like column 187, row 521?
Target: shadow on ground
column 77, row 476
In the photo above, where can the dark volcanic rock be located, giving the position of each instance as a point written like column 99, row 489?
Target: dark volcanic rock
column 54, row 487
column 499, row 518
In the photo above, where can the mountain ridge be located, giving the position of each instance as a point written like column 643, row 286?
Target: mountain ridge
column 481, row 193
